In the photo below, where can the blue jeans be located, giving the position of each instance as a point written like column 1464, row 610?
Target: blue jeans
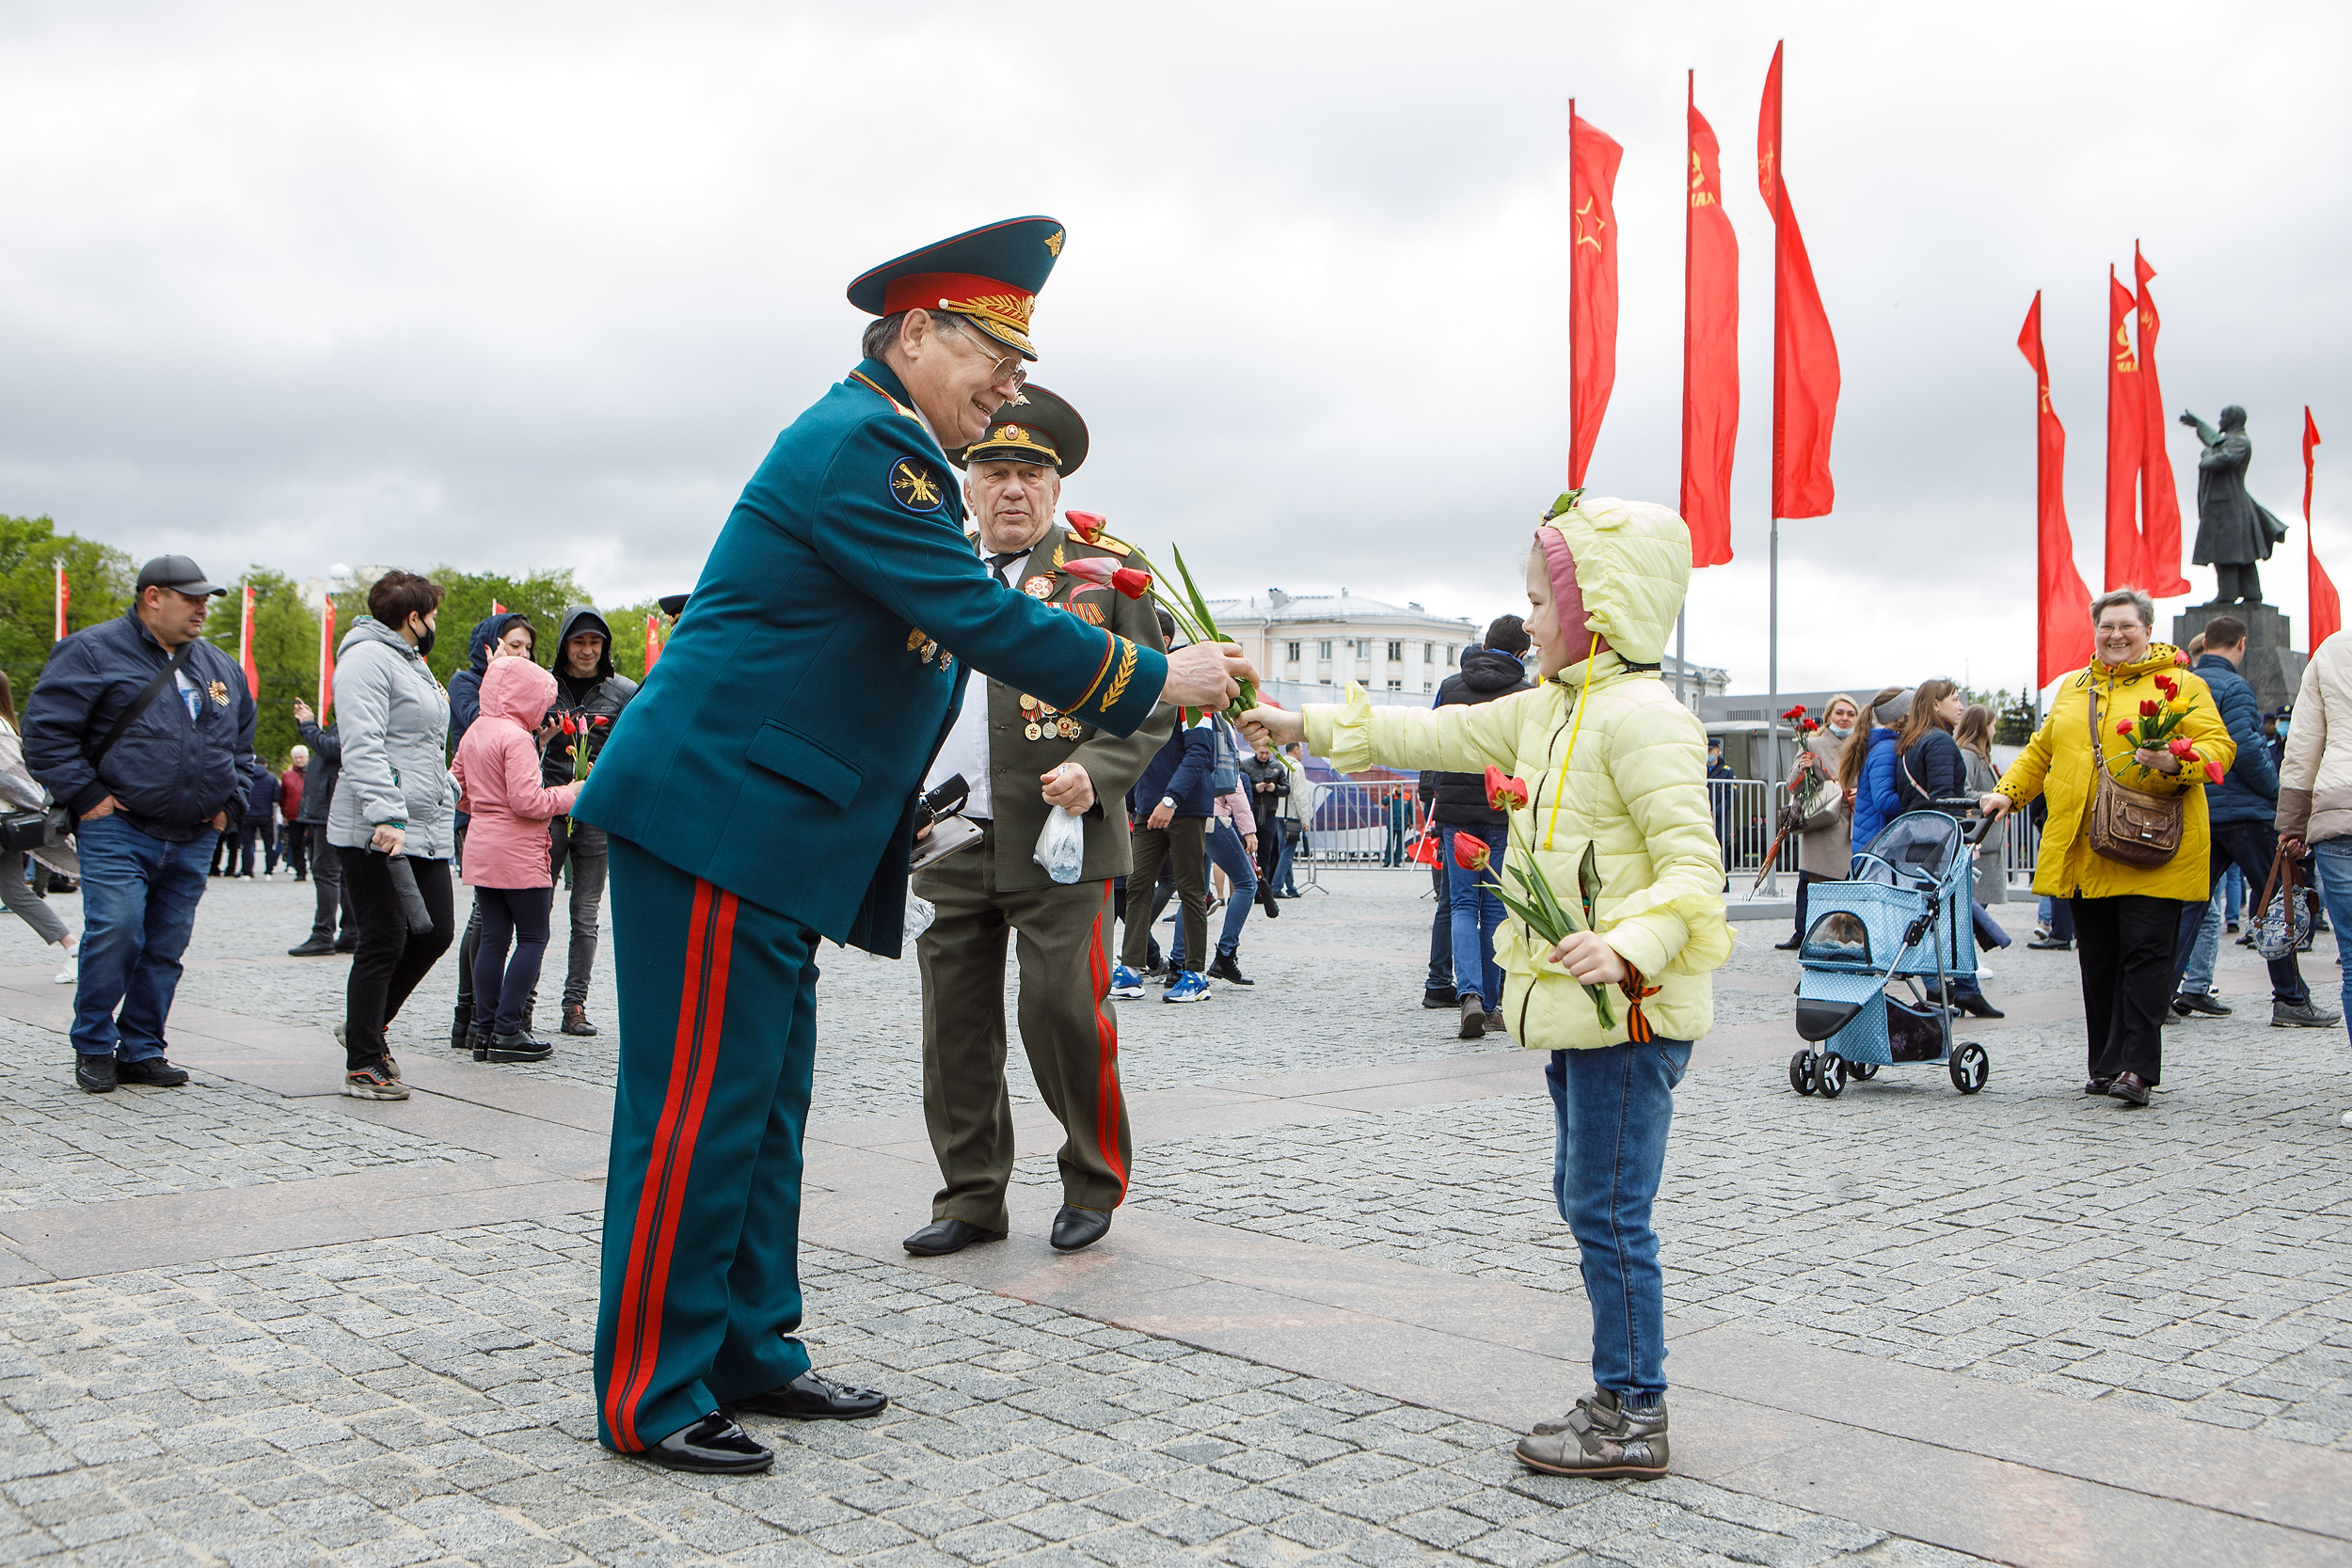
column 1477, row 912
column 1285, row 883
column 139, row 905
column 2197, row 980
column 2331, row 860
column 2233, row 886
column 2249, row 846
column 1225, row 850
column 1612, row 1106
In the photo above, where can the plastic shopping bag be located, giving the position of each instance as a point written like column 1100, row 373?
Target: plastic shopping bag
column 1061, row 845
column 921, row 911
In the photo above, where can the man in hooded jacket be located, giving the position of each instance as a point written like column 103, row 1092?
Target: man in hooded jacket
column 1473, row 911
column 588, row 698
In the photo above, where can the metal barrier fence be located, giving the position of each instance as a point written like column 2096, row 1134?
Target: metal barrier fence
column 1373, row 821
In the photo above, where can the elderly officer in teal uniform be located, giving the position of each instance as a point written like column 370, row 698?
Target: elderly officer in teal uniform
column 760, row 794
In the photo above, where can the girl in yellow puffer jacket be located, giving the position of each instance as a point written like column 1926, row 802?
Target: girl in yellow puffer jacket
column 1611, row 761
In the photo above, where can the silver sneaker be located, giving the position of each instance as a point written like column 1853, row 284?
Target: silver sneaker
column 1599, row 1437
column 2301, row 1015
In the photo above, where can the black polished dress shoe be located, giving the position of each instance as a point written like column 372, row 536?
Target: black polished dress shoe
column 2097, row 1085
column 2129, row 1087
column 1075, row 1227
column 713, row 1446
column 2204, row 1001
column 152, row 1070
column 810, row 1398
column 942, row 1237
column 1788, row 946
column 314, row 948
column 2056, row 945
column 94, row 1074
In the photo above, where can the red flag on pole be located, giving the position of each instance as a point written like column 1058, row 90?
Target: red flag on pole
column 653, row 641
column 1710, row 349
column 2127, row 432
column 1592, row 287
column 2326, row 610
column 2159, row 497
column 245, row 647
column 65, row 597
column 497, row 608
column 2062, row 602
column 1804, row 354
column 326, row 660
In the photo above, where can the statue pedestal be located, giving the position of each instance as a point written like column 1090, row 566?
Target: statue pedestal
column 2271, row 666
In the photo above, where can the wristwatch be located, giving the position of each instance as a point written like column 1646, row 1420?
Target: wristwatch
column 1168, row 800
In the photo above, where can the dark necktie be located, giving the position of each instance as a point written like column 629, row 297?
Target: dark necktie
column 998, row 563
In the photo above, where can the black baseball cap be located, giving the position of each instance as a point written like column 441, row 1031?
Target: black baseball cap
column 177, row 573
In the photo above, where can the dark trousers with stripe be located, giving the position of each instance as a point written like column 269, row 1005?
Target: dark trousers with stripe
column 1066, row 1028
column 717, row 1016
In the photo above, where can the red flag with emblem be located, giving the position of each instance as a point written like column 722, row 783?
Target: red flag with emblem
column 245, row 647
column 2127, row 434
column 2062, row 601
column 2326, row 610
column 653, row 641
column 1710, row 348
column 2160, row 496
column 1804, row 353
column 1592, row 286
column 326, row 659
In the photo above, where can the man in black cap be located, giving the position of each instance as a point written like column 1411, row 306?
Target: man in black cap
column 1027, row 763
column 145, row 731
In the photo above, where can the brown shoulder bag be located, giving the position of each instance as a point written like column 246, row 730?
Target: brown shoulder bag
column 2129, row 826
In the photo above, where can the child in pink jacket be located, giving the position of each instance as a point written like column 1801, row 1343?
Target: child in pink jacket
column 507, row 853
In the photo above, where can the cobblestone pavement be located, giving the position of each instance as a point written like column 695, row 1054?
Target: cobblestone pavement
column 869, row 1009
column 58, row 1145
column 2196, row 1257
column 426, row 1401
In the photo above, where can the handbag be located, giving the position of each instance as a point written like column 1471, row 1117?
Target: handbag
column 2279, row 926
column 2129, row 826
column 34, row 828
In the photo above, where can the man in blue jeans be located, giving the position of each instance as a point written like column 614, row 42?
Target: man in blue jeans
column 2241, row 809
column 1493, row 670
column 145, row 731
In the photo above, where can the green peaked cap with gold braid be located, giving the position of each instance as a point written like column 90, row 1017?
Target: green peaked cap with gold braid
column 1037, row 426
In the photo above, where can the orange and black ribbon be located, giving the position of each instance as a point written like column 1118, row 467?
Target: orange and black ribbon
column 1636, row 1027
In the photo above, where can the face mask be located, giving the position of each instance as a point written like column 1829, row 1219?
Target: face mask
column 1841, row 733
column 425, row 644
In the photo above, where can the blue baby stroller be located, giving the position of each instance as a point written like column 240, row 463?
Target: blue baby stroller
column 1903, row 915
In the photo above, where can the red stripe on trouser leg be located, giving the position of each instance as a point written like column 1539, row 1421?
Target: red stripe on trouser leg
column 637, row 1339
column 1108, row 1111
column 627, row 1345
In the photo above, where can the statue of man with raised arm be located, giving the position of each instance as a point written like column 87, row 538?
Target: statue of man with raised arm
column 2234, row 531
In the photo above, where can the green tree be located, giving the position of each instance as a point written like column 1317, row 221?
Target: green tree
column 542, row 595
column 98, row 578
column 628, row 636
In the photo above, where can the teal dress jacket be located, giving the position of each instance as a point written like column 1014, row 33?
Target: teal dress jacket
column 777, row 748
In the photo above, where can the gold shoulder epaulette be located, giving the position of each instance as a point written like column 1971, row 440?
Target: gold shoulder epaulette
column 1105, row 542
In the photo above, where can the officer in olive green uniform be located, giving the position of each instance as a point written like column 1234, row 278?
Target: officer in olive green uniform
column 1017, row 750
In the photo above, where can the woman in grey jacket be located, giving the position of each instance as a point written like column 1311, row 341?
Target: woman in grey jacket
column 394, row 801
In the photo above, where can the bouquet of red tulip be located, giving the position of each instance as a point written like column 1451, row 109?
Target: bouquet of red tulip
column 2158, row 728
column 1190, row 613
column 581, row 727
column 1534, row 904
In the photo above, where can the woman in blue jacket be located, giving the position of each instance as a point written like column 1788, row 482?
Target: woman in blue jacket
column 1929, row 767
column 1867, row 771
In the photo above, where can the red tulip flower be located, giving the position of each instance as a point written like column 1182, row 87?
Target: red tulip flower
column 2166, row 685
column 2213, row 772
column 2183, row 748
column 2123, row 728
column 1503, row 792
column 1086, row 525
column 2150, row 707
column 1470, row 852
column 1103, row 572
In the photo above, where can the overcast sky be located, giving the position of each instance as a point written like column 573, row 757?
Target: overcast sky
column 521, row 286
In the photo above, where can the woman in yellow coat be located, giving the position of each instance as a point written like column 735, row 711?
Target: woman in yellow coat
column 2125, row 916
column 1612, row 763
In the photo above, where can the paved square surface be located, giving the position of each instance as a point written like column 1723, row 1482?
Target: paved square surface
column 423, row 1397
